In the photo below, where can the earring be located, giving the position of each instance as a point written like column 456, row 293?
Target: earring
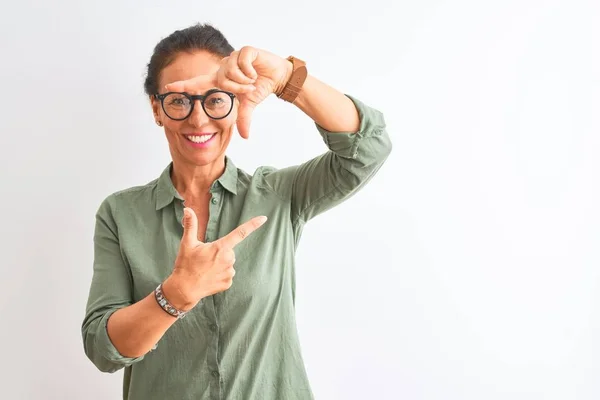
column 159, row 123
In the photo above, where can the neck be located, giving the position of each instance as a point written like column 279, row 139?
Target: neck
column 193, row 181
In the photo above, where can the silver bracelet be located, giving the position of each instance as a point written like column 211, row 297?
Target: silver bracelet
column 165, row 305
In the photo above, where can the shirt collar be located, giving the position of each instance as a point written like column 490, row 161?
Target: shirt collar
column 166, row 192
column 229, row 178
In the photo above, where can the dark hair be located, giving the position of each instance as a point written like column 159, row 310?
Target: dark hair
column 196, row 37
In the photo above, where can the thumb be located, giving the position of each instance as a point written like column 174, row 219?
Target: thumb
column 244, row 117
column 190, row 227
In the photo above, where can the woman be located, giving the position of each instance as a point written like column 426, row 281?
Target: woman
column 164, row 303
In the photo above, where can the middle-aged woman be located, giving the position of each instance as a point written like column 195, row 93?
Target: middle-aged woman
column 164, row 303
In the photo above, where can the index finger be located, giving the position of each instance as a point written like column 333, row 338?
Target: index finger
column 240, row 233
column 195, row 84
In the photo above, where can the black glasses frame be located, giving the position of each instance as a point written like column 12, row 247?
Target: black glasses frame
column 193, row 98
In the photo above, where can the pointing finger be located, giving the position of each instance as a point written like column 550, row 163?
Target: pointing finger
column 240, row 233
column 196, row 84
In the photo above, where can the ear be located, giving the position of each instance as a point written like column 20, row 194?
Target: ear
column 156, row 111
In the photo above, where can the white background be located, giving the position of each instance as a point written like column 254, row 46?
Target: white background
column 467, row 269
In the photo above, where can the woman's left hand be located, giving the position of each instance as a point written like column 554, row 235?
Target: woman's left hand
column 252, row 74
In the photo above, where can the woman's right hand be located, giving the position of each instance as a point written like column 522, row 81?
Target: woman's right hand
column 203, row 269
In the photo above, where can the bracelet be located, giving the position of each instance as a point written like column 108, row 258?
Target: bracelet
column 165, row 305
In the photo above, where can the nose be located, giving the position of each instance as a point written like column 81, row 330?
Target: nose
column 198, row 117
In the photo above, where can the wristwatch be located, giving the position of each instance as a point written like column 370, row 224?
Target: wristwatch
column 294, row 85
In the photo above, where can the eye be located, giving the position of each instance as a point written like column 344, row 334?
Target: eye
column 178, row 101
column 216, row 101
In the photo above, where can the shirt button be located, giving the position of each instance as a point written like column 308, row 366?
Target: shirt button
column 215, row 374
column 214, row 200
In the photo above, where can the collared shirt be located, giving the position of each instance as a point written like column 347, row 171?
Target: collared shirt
column 242, row 343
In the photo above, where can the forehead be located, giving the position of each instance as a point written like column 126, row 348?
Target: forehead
column 189, row 65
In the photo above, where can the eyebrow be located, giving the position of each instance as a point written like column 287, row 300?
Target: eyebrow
column 202, row 93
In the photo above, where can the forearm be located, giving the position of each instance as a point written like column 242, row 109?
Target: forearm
column 328, row 107
column 136, row 329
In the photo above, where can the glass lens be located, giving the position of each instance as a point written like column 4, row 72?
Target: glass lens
column 218, row 104
column 177, row 105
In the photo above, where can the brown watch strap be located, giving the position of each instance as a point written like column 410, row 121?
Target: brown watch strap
column 294, row 85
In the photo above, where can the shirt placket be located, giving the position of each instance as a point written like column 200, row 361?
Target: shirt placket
column 214, row 209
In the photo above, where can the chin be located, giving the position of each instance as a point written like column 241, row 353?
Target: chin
column 201, row 160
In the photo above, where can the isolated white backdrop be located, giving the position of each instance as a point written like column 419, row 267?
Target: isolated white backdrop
column 467, row 269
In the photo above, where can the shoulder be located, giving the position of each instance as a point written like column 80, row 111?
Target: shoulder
column 278, row 180
column 138, row 195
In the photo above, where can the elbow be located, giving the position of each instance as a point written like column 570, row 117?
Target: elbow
column 375, row 152
column 100, row 350
column 369, row 160
column 108, row 367
column 95, row 354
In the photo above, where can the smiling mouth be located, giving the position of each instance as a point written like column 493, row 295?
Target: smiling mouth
column 198, row 139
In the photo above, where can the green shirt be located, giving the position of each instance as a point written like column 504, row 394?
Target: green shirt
column 242, row 343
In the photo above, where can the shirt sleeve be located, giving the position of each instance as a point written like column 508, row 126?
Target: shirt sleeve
column 325, row 181
column 110, row 290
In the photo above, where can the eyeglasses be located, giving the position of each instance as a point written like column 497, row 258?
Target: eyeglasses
column 216, row 103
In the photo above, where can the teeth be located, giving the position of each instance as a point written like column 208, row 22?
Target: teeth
column 199, row 139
